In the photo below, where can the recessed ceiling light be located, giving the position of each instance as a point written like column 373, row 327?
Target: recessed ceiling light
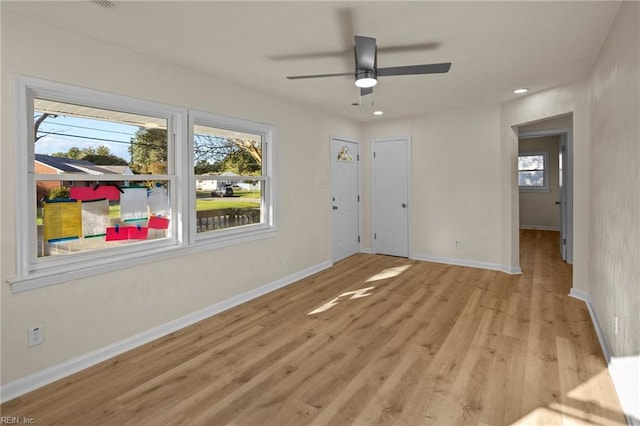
column 522, row 90
column 378, row 112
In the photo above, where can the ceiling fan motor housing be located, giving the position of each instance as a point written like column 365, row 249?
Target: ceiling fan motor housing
column 365, row 78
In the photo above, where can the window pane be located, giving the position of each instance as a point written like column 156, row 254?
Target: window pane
column 74, row 215
column 99, row 137
column 531, row 162
column 79, row 216
column 224, row 162
column 225, row 152
column 232, row 205
column 533, row 178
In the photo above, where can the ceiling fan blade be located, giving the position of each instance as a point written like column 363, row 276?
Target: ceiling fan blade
column 364, row 91
column 408, row 47
column 345, row 27
column 348, row 53
column 300, row 77
column 415, row 69
column 365, row 48
column 316, row 55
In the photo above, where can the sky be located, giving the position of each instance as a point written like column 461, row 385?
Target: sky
column 63, row 133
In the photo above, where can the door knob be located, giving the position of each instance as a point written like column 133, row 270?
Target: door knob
column 404, row 205
column 558, row 203
column 335, row 207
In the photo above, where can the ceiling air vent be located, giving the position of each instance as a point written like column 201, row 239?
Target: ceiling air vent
column 104, row 3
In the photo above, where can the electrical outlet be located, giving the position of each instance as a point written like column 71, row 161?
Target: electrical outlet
column 36, row 336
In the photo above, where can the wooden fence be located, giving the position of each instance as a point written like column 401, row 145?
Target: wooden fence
column 209, row 220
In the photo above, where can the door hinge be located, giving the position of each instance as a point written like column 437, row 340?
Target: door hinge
column 374, row 154
column 564, row 241
column 357, row 157
column 358, row 238
column 358, row 198
column 375, row 236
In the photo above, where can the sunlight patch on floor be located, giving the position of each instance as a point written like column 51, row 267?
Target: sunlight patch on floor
column 388, row 273
column 592, row 390
column 356, row 294
column 561, row 414
column 570, row 411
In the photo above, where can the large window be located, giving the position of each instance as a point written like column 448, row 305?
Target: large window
column 110, row 181
column 100, row 178
column 533, row 174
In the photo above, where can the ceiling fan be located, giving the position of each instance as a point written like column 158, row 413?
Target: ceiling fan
column 366, row 67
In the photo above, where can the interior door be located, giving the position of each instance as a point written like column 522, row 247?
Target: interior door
column 390, row 196
column 562, row 162
column 344, row 198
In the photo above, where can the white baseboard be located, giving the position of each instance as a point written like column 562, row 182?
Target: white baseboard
column 540, row 228
column 366, row 250
column 624, row 371
column 512, row 270
column 586, row 298
column 41, row 378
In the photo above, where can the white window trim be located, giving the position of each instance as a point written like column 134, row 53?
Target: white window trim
column 268, row 134
column 546, row 187
column 30, row 275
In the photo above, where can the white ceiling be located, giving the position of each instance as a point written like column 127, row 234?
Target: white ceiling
column 495, row 47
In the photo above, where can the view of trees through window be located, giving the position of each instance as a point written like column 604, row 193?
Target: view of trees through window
column 228, row 170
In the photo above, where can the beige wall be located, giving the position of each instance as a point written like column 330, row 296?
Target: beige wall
column 613, row 90
column 538, row 210
column 118, row 305
column 455, row 183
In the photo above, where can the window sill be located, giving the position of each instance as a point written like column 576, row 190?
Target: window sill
column 533, row 189
column 47, row 278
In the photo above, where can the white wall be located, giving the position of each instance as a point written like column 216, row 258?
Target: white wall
column 118, row 305
column 455, row 184
column 614, row 101
column 560, row 101
column 538, row 209
column 563, row 122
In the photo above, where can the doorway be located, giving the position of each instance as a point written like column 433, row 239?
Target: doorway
column 390, row 193
column 551, row 207
column 345, row 198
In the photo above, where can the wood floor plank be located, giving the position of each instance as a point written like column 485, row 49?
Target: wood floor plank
column 374, row 340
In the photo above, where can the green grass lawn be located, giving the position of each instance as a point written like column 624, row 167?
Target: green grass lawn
column 224, row 203
column 240, row 200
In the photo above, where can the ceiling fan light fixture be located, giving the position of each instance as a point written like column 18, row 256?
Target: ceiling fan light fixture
column 366, row 79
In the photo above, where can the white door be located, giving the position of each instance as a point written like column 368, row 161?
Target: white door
column 562, row 176
column 344, row 198
column 390, row 196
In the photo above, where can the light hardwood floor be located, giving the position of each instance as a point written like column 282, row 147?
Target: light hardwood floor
column 428, row 344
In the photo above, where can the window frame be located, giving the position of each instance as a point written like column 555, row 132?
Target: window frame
column 33, row 272
column 267, row 132
column 545, row 172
